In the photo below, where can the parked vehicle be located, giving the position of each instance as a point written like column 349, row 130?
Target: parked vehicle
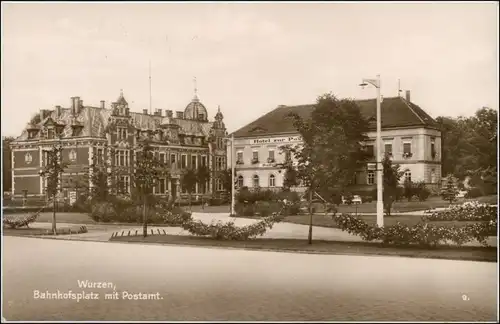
column 356, row 199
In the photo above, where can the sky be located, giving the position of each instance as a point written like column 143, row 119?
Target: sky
column 247, row 58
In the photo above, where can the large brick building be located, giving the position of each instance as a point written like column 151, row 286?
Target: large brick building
column 110, row 136
column 409, row 134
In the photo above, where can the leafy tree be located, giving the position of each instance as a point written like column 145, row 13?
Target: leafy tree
column 450, row 189
column 52, row 172
column 203, row 175
column 331, row 150
column 391, row 177
column 469, row 143
column 148, row 170
column 189, row 179
column 7, row 163
column 290, row 178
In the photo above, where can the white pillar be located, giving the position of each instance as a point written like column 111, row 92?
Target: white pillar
column 12, row 172
column 380, row 199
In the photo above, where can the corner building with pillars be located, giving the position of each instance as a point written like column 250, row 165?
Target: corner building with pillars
column 410, row 136
column 112, row 135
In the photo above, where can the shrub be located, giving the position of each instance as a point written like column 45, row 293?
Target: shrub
column 421, row 234
column 423, row 194
column 103, row 212
column 244, row 209
column 474, row 193
column 468, row 211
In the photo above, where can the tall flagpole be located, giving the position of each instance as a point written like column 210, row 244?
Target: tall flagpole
column 150, row 95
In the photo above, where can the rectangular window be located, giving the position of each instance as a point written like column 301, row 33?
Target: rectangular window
column 172, row 159
column 219, row 163
column 271, row 156
column 407, row 148
column 371, row 177
column 122, row 133
column 162, row 157
column 255, row 156
column 100, row 156
column 219, row 185
column 124, row 184
column 184, row 161
column 433, row 148
column 204, row 161
column 163, row 186
column 122, row 158
column 388, row 149
column 239, row 157
column 50, row 133
column 193, row 162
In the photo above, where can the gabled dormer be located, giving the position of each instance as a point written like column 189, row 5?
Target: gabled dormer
column 52, row 129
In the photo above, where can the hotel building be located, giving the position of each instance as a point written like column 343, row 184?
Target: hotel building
column 409, row 135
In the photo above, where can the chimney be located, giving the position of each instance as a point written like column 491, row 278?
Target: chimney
column 58, row 111
column 408, row 95
column 180, row 114
column 145, row 111
column 169, row 113
column 75, row 106
column 103, row 104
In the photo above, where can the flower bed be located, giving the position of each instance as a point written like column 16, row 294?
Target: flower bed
column 421, row 234
column 228, row 231
column 468, row 211
column 15, row 222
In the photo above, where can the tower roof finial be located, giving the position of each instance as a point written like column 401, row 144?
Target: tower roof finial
column 195, row 88
column 218, row 108
column 121, row 92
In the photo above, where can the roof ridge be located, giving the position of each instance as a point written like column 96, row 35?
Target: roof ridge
column 413, row 111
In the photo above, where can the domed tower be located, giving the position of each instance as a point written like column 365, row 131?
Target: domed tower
column 195, row 110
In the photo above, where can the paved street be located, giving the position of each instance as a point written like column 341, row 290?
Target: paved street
column 217, row 284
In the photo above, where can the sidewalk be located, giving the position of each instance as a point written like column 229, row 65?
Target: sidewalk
column 102, row 233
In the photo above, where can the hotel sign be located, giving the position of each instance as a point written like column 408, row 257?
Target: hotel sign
column 277, row 140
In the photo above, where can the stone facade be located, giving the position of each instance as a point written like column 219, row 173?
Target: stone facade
column 111, row 137
column 406, row 128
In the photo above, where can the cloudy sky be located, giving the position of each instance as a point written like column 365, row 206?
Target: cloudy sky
column 248, row 58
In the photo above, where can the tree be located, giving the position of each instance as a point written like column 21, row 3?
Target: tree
column 409, row 189
column 469, row 143
column 450, row 189
column 391, row 177
column 148, row 170
column 52, row 172
column 291, row 175
column 189, row 179
column 331, row 150
column 203, row 176
column 7, row 163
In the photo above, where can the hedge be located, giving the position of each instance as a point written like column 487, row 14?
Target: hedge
column 421, row 234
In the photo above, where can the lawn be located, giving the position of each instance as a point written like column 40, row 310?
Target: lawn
column 323, row 247
column 24, row 231
column 69, row 218
column 410, row 220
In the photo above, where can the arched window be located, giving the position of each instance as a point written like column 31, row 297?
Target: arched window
column 272, row 181
column 255, row 181
column 240, row 181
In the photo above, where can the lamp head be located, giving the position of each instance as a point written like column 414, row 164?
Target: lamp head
column 364, row 84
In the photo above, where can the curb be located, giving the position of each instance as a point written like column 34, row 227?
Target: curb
column 299, row 251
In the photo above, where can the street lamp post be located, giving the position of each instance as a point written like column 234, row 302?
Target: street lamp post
column 380, row 200
column 232, row 175
column 231, row 140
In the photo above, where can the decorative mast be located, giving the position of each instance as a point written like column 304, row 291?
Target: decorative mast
column 399, row 88
column 150, row 96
